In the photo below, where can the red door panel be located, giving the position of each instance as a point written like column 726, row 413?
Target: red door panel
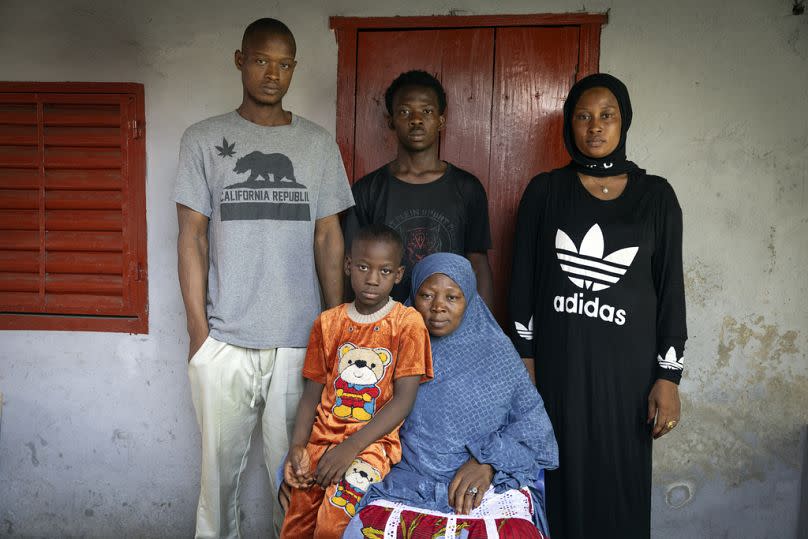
column 468, row 58
column 534, row 69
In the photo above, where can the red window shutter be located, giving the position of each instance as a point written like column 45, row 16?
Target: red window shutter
column 72, row 207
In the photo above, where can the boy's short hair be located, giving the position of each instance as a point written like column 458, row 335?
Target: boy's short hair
column 267, row 27
column 415, row 78
column 381, row 233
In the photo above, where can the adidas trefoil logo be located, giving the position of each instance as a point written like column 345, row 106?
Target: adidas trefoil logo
column 670, row 361
column 525, row 332
column 587, row 267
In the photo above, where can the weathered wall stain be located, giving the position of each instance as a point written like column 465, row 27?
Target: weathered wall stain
column 758, row 341
column 680, row 493
column 118, row 435
column 32, row 448
column 702, row 283
column 793, row 40
column 95, row 501
column 746, row 408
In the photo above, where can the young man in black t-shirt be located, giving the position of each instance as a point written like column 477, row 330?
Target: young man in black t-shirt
column 435, row 206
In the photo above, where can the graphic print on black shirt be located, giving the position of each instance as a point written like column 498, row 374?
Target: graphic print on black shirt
column 424, row 231
column 588, row 269
column 270, row 191
column 449, row 214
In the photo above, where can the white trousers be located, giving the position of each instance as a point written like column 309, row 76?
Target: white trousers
column 232, row 388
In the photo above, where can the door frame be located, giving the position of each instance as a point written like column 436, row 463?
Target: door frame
column 347, row 32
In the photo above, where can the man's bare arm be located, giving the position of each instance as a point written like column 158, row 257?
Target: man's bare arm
column 192, row 265
column 329, row 252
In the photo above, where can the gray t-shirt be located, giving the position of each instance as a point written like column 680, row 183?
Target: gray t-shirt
column 262, row 188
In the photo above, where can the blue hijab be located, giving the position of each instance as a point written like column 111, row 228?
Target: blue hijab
column 480, row 403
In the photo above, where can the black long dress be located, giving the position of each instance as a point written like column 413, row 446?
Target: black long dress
column 597, row 298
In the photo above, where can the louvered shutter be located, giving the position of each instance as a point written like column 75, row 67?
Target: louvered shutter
column 72, row 208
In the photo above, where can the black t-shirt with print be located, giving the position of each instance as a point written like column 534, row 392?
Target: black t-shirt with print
column 449, row 214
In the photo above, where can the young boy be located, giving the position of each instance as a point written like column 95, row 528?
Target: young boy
column 363, row 365
column 434, row 205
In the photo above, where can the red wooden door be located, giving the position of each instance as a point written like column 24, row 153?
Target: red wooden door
column 505, row 83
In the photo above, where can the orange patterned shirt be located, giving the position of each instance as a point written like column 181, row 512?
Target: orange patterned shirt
column 358, row 362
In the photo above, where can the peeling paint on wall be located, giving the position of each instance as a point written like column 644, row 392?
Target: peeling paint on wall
column 756, row 340
column 744, row 411
column 702, row 283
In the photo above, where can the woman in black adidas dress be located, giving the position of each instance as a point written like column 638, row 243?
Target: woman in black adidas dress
column 597, row 304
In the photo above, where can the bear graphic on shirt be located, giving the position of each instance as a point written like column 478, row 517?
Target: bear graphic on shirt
column 274, row 169
column 360, row 370
column 354, row 484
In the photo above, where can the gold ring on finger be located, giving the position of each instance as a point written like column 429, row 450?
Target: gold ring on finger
column 670, row 424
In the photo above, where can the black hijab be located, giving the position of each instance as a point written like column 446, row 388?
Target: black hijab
column 615, row 163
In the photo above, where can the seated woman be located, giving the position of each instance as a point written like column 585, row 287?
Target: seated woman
column 478, row 434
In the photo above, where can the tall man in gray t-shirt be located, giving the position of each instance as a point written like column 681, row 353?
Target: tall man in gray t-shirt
column 258, row 195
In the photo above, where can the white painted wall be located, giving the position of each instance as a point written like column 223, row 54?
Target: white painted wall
column 98, row 437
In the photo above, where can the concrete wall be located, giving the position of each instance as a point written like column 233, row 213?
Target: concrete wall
column 98, row 435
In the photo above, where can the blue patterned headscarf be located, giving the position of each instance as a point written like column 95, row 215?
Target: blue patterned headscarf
column 461, row 350
column 480, row 403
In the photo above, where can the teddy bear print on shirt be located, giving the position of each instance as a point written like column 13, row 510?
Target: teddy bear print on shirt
column 353, row 486
column 360, row 370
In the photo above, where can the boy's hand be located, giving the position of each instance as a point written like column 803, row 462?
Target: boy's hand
column 297, row 470
column 284, row 496
column 334, row 463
